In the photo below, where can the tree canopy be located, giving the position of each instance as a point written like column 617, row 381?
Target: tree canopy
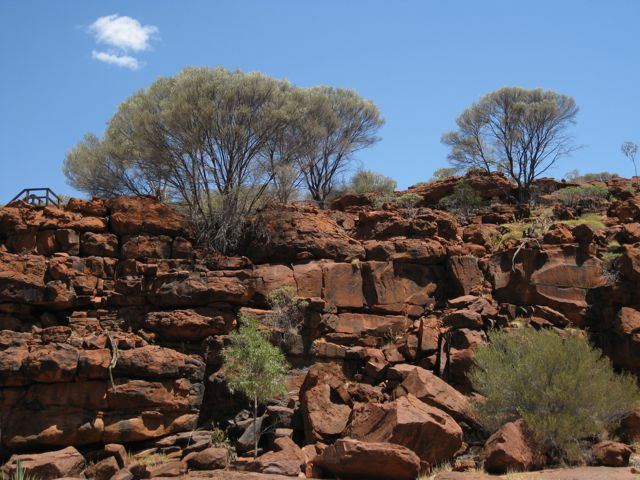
column 519, row 132
column 221, row 142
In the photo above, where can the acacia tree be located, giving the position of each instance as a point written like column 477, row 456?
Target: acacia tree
column 630, row 149
column 519, row 132
column 254, row 367
column 335, row 124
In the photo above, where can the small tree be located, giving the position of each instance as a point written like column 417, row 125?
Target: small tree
column 254, row 367
column 287, row 313
column 516, row 131
column 336, row 123
column 366, row 181
column 564, row 389
column 630, row 149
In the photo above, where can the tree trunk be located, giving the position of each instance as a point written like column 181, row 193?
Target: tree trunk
column 255, row 425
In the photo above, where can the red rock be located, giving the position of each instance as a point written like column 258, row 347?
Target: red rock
column 308, row 278
column 348, row 458
column 271, row 277
column 558, row 234
column 427, row 223
column 137, row 426
column 194, row 324
column 181, row 248
column 465, row 318
column 611, row 454
column 140, row 215
column 431, row 433
column 512, row 448
column 481, row 234
column 434, row 391
column 50, row 465
column 323, row 398
column 94, row 207
column 208, row 459
column 144, row 247
column 406, row 250
column 103, row 470
column 487, row 186
column 119, row 452
column 302, row 232
column 342, row 284
column 194, row 290
column 366, row 324
column 395, row 288
column 465, row 273
column 287, row 459
column 626, row 210
column 99, row 244
column 630, row 426
column 155, row 362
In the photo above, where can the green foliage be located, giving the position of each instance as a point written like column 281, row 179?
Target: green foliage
column 252, row 365
column 592, row 220
column 584, row 196
column 575, row 176
column 19, row 474
column 564, row 389
column 220, row 142
column 366, row 181
column 408, row 200
column 287, row 313
column 464, row 199
column 519, row 132
column 443, row 172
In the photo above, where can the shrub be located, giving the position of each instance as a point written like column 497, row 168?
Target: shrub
column 584, row 196
column 564, row 389
column 592, row 220
column 287, row 313
column 408, row 200
column 254, row 367
column 464, row 199
column 443, row 172
column 366, row 181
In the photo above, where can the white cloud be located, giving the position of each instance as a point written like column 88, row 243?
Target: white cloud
column 126, row 61
column 123, row 32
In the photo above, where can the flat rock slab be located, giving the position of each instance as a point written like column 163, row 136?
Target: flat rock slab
column 581, row 473
column 231, row 475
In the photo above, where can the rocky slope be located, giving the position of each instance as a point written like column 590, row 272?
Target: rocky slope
column 112, row 324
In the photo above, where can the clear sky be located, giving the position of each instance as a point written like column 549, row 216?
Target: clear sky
column 422, row 62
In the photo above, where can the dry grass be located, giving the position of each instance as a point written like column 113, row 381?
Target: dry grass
column 592, row 220
column 148, row 458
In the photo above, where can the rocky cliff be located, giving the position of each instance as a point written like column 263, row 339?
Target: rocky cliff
column 112, row 324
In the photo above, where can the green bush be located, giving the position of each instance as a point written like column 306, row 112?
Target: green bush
column 464, row 199
column 366, row 181
column 287, row 313
column 564, row 389
column 585, row 196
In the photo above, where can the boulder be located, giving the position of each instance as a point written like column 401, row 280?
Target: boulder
column 103, row 470
column 287, row 459
column 211, row 458
column 465, row 274
column 67, row 462
column 99, row 244
column 434, row 391
column 611, row 454
column 196, row 324
column 511, row 449
column 430, row 432
column 301, row 232
column 323, row 403
column 348, row 458
column 143, row 215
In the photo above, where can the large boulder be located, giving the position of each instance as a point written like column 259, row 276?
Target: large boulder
column 67, row 462
column 142, row 215
column 293, row 233
column 430, row 432
column 512, row 448
column 487, row 186
column 434, row 391
column 611, row 454
column 323, row 402
column 349, row 458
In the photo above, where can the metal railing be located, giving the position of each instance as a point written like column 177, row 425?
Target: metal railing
column 38, row 196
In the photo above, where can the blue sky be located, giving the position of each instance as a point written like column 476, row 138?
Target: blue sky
column 421, row 62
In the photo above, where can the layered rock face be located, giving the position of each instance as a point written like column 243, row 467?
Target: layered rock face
column 112, row 325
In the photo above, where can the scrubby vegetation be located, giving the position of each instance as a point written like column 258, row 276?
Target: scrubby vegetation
column 464, row 199
column 585, row 196
column 253, row 366
column 564, row 389
column 287, row 314
column 366, row 181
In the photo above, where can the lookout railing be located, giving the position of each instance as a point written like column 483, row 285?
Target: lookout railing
column 38, row 196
